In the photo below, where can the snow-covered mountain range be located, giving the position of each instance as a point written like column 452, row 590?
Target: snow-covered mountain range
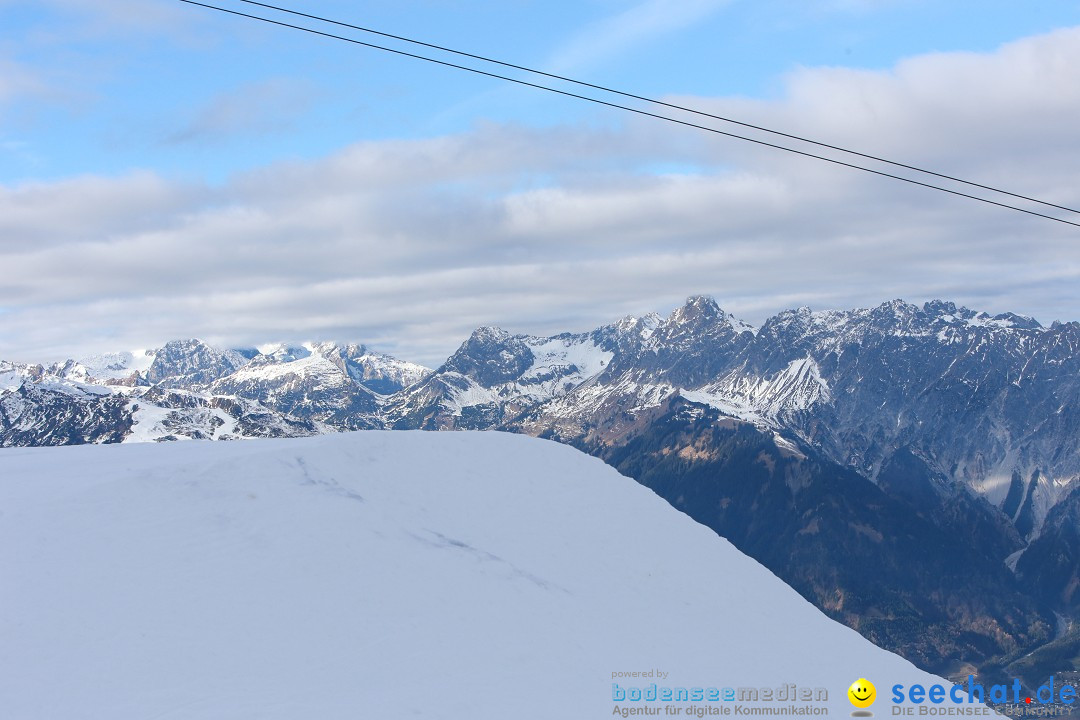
column 957, row 426
column 456, row 576
column 189, row 390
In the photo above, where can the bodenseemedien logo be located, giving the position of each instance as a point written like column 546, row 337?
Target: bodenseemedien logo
column 707, row 701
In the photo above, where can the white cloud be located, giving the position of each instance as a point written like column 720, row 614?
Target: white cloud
column 411, row 244
column 620, row 33
column 261, row 108
column 1005, row 116
column 865, row 5
column 17, row 80
column 115, row 16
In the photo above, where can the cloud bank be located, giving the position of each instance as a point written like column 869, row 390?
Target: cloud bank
column 408, row 245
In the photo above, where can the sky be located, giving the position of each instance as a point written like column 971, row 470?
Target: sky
column 170, row 171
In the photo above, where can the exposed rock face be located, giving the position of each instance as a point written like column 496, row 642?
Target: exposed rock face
column 1051, row 564
column 191, row 364
column 915, row 567
column 37, row 415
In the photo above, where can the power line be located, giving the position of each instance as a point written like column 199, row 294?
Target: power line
column 661, row 103
column 639, row 112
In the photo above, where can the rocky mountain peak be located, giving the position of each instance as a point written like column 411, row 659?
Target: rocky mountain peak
column 490, row 356
column 191, row 363
column 940, row 308
column 1023, row 322
column 699, row 317
column 282, row 354
column 640, row 327
column 895, row 315
column 948, row 313
column 696, row 309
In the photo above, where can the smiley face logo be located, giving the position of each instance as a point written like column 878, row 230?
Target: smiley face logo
column 862, row 693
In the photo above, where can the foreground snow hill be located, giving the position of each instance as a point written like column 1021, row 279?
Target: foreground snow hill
column 381, row 575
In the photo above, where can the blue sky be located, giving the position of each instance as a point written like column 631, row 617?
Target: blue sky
column 185, row 91
column 137, row 134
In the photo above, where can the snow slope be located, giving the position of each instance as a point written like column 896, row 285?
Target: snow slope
column 763, row 401
column 107, row 367
column 378, row 575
